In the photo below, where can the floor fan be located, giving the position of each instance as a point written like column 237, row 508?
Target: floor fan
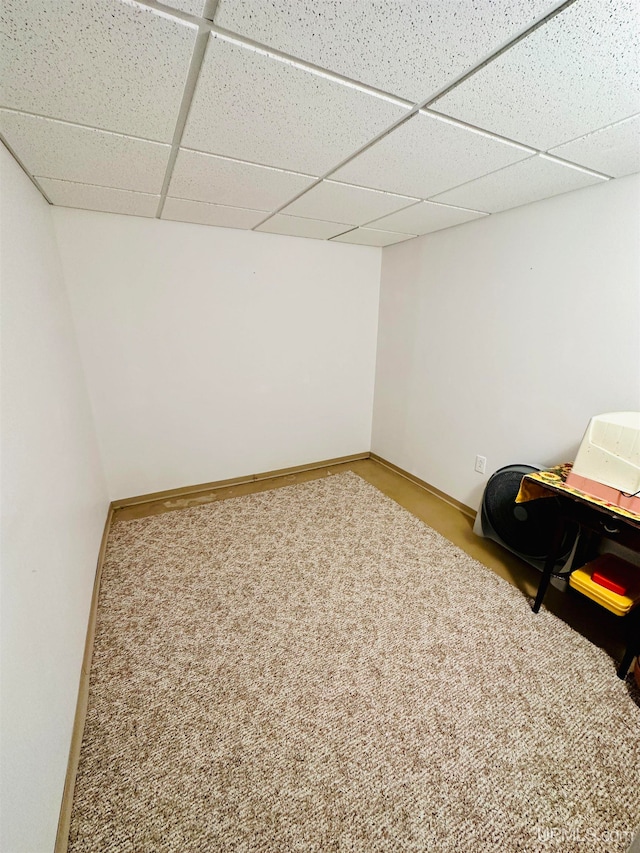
column 524, row 529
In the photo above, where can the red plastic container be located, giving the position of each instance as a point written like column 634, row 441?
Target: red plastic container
column 615, row 574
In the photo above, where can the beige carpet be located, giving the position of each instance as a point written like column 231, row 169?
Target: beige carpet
column 314, row 669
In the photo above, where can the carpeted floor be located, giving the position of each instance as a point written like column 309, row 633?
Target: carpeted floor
column 314, row 669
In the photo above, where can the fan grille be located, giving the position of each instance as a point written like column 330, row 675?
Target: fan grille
column 526, row 528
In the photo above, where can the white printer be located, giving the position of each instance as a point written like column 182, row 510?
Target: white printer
column 608, row 461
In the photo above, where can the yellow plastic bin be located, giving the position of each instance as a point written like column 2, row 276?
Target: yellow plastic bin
column 581, row 579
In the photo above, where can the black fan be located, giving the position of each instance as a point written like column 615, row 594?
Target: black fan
column 526, row 529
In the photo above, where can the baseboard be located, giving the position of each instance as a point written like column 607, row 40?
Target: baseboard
column 467, row 510
column 64, row 821
column 185, row 491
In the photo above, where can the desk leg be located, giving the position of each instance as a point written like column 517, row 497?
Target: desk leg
column 548, row 566
column 633, row 642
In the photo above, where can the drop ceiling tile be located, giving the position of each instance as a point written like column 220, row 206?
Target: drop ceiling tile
column 571, row 76
column 192, row 7
column 297, row 226
column 203, row 177
column 425, row 156
column 82, row 154
column 410, row 49
column 614, row 150
column 69, row 194
column 253, row 107
column 222, row 215
column 522, row 183
column 372, row 237
column 425, row 217
column 354, row 205
column 113, row 65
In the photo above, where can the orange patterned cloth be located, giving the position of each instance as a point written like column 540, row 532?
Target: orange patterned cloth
column 543, row 484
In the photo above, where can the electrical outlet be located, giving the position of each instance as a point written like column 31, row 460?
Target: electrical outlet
column 481, row 464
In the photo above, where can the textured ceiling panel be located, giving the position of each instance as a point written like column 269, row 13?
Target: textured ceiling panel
column 67, row 194
column 355, row 205
column 119, row 105
column 192, row 7
column 574, row 75
column 113, row 65
column 425, row 156
column 411, row 49
column 522, row 183
column 202, row 177
column 54, row 149
column 424, row 218
column 297, row 226
column 211, row 214
column 250, row 106
column 371, row 237
column 614, row 150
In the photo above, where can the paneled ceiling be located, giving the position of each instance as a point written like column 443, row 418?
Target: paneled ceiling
column 360, row 121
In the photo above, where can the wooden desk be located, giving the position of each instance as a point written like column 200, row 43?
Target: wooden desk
column 595, row 519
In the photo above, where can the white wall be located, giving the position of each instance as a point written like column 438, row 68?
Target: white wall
column 54, row 505
column 213, row 353
column 503, row 336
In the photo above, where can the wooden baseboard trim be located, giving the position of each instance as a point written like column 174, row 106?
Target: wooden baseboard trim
column 186, row 491
column 64, row 821
column 467, row 510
